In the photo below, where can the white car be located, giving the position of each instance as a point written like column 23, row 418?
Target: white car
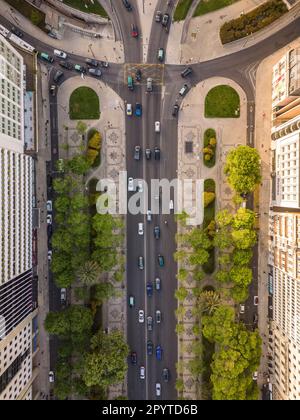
column 141, row 316
column 157, row 127
column 51, row 376
column 255, row 301
column 129, row 110
column 63, row 295
column 158, row 389
column 49, row 206
column 141, row 229
column 49, row 219
column 242, row 309
column 60, row 54
column 171, row 205
column 149, row 215
column 140, row 186
column 142, row 372
column 130, row 184
column 49, row 255
column 255, row 376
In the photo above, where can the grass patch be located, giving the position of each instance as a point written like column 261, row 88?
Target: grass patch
column 182, row 9
column 207, row 6
column 222, row 102
column 84, row 104
column 253, row 21
column 30, row 12
column 87, row 6
column 208, row 136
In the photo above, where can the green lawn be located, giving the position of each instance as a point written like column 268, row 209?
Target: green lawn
column 222, row 102
column 84, row 104
column 206, row 6
column 26, row 9
column 209, row 134
column 182, row 9
column 91, row 8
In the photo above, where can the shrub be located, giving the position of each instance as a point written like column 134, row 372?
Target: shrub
column 208, row 197
column 209, row 150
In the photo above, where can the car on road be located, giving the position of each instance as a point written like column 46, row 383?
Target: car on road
column 127, row 5
column 148, row 154
column 158, row 16
column 128, row 110
column 165, row 19
column 158, row 352
column 141, row 263
column 92, row 62
column 58, row 75
column 140, row 186
column 133, row 358
column 142, row 372
column 131, row 301
column 158, row 316
column 161, row 54
column 53, row 89
column 161, row 260
column 130, row 185
column 134, row 31
column 175, row 110
column 149, row 84
column 46, row 57
column 156, row 231
column 141, row 229
column 66, row 65
column 137, row 153
column 171, row 205
column 157, row 126
column 60, row 54
column 149, row 289
column 255, row 300
column 149, row 215
column 149, row 348
column 51, row 377
column 17, row 32
column 138, row 75
column 157, row 153
column 157, row 389
column 184, row 90
column 95, row 72
column 186, row 72
column 80, row 69
column 49, row 206
column 49, row 219
column 138, row 110
column 166, row 375
column 63, row 296
column 157, row 284
column 150, row 323
column 50, row 255
column 130, row 83
column 242, row 308
column 141, row 316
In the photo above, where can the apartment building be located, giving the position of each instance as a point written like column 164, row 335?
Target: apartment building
column 17, row 303
column 284, row 244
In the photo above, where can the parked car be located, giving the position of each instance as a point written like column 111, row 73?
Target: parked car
column 255, row 300
column 46, row 57
column 134, row 31
column 166, row 374
column 130, row 185
column 127, row 5
column 150, row 323
column 158, row 316
column 156, row 232
column 58, row 75
column 140, row 185
column 133, row 358
column 157, row 389
column 158, row 16
column 184, row 90
column 17, row 32
column 137, row 153
column 157, row 284
column 49, row 219
column 148, row 154
column 171, row 205
column 141, row 264
column 149, row 348
column 157, row 153
column 149, row 289
column 161, row 260
column 141, row 316
column 242, row 308
column 141, row 229
column 95, row 72
column 255, row 376
column 186, row 72
column 138, row 110
column 157, row 126
column 80, row 69
column 159, row 352
column 50, row 255
column 60, row 54
column 66, row 65
column 175, row 110
column 131, row 301
column 129, row 110
column 53, row 89
column 142, row 372
column 63, row 295
column 51, row 377
column 165, row 19
column 49, row 206
column 92, row 62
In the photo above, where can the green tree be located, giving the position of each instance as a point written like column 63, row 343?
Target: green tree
column 181, row 294
column 81, row 127
column 208, row 197
column 103, row 292
column 210, row 301
column 241, row 276
column 244, row 238
column 223, row 276
column 239, row 293
column 224, row 218
column 222, row 239
column 88, row 273
column 218, row 327
column 79, row 165
column 62, row 204
column 243, row 219
column 243, row 169
column 71, row 322
column 242, row 256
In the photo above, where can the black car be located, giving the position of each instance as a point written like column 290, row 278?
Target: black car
column 148, row 154
column 133, row 358
column 186, row 72
column 137, row 153
column 17, row 32
column 166, row 375
column 157, row 153
column 165, row 19
column 175, row 110
column 157, row 232
column 92, row 62
column 127, row 5
column 58, row 75
column 66, row 65
column 149, row 348
column 138, row 75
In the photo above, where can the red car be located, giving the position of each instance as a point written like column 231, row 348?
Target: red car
column 134, row 31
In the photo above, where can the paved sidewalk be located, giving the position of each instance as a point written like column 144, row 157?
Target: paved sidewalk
column 105, row 48
column 230, row 133
column 203, row 40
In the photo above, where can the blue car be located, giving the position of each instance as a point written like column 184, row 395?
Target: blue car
column 149, row 289
column 138, row 110
column 158, row 353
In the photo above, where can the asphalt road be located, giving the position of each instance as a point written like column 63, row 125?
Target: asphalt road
column 157, row 106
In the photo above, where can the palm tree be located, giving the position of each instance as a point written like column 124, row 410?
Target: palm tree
column 210, row 301
column 89, row 273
